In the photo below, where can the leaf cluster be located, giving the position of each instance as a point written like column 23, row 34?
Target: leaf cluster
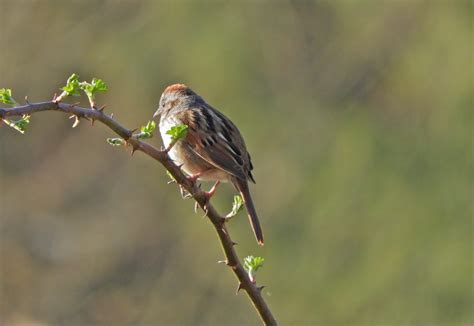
column 74, row 86
column 96, row 85
column 116, row 141
column 147, row 130
column 252, row 264
column 19, row 125
column 6, row 96
column 178, row 132
column 237, row 206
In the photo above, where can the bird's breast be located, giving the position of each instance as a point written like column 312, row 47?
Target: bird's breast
column 165, row 125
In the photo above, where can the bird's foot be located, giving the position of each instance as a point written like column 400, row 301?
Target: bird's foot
column 212, row 191
column 208, row 195
column 191, row 178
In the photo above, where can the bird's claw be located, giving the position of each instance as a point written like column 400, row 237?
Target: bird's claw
column 207, row 196
column 212, row 191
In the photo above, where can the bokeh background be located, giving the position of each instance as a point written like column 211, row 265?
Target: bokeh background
column 358, row 115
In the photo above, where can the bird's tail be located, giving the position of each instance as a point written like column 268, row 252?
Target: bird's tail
column 243, row 188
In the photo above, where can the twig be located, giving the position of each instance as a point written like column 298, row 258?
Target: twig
column 232, row 260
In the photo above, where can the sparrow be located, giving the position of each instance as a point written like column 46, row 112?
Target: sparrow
column 213, row 148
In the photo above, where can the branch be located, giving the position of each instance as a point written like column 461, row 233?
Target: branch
column 232, row 260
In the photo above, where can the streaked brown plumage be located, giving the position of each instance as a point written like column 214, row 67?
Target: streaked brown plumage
column 213, row 149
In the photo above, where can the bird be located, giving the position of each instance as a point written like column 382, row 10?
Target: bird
column 213, row 148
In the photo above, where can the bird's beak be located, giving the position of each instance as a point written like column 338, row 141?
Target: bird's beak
column 157, row 113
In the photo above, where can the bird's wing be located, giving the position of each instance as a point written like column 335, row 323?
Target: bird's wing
column 215, row 139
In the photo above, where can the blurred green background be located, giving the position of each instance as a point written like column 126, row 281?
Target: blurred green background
column 358, row 116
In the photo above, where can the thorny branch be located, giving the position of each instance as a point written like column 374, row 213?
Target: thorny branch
column 218, row 221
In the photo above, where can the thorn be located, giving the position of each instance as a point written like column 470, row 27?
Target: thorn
column 222, row 262
column 171, row 181
column 196, row 206
column 76, row 122
column 111, row 116
column 134, row 148
column 240, row 287
column 26, row 99
column 234, row 243
column 92, row 120
column 55, row 98
column 260, row 288
column 133, row 130
column 193, row 178
column 225, row 231
column 101, row 108
column 206, row 211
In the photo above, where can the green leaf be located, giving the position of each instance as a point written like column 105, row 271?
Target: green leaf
column 96, row 85
column 252, row 264
column 19, row 125
column 178, row 132
column 147, row 131
column 237, row 206
column 72, row 86
column 116, row 141
column 150, row 127
column 6, row 96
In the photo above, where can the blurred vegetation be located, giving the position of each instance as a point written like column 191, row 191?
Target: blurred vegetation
column 358, row 115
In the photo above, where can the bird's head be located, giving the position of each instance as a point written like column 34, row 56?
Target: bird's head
column 173, row 96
